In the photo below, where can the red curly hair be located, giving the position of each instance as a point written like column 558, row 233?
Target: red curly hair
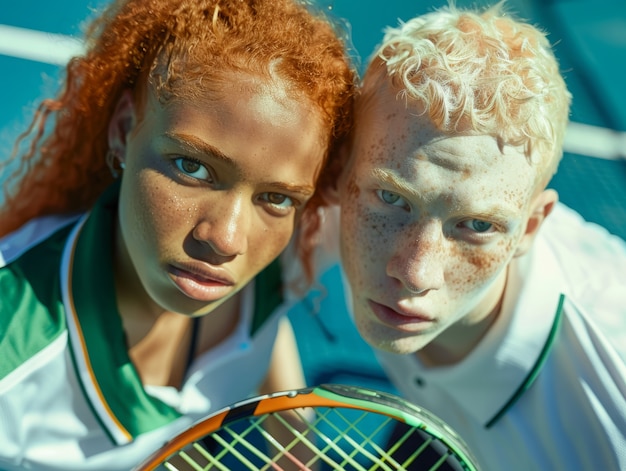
column 182, row 48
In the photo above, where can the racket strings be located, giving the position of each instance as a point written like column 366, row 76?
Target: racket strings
column 343, row 426
column 332, row 439
column 433, row 453
column 298, row 436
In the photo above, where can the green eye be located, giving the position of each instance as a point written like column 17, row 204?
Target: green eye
column 481, row 226
column 477, row 225
column 390, row 198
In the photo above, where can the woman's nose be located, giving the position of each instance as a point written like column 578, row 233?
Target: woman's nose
column 224, row 225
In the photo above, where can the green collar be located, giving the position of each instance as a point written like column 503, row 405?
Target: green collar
column 106, row 370
column 98, row 341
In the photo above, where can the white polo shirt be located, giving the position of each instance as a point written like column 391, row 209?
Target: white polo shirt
column 70, row 398
column 545, row 390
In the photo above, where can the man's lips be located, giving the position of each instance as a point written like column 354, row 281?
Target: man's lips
column 401, row 319
column 201, row 282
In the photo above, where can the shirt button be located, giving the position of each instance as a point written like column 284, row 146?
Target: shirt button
column 420, row 382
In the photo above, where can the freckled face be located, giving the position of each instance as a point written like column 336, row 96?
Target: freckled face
column 429, row 223
column 211, row 192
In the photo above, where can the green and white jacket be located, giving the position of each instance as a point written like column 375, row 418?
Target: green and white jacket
column 70, row 398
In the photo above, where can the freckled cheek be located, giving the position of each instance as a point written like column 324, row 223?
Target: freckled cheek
column 364, row 237
column 474, row 269
column 265, row 244
column 156, row 214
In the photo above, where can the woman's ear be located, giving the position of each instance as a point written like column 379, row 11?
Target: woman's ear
column 122, row 122
column 541, row 208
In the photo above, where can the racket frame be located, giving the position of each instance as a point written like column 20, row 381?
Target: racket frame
column 325, row 395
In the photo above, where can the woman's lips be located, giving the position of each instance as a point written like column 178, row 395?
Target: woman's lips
column 200, row 283
column 405, row 320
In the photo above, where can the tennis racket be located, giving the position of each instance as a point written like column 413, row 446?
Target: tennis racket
column 330, row 427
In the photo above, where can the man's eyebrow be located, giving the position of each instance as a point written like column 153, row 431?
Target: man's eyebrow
column 501, row 211
column 392, row 180
column 198, row 145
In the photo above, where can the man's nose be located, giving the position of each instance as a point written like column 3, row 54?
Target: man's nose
column 418, row 262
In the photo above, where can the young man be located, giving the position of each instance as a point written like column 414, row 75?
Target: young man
column 482, row 309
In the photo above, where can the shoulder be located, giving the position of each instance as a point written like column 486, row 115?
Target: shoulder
column 576, row 242
column 31, row 256
column 600, row 322
column 31, row 307
column 592, row 263
column 589, row 356
column 592, row 260
column 31, row 234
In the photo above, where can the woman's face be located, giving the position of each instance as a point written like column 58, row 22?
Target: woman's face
column 211, row 190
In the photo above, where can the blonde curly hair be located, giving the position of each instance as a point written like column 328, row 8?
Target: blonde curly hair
column 480, row 72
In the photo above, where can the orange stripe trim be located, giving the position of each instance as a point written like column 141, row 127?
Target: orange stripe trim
column 83, row 345
column 285, row 402
column 190, row 435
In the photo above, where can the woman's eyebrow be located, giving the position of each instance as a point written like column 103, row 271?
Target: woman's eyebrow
column 198, row 145
column 305, row 190
column 202, row 147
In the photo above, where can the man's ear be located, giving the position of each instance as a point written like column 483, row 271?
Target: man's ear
column 122, row 122
column 541, row 207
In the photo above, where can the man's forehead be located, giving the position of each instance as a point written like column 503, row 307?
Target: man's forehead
column 460, row 152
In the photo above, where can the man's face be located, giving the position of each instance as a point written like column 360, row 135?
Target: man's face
column 429, row 222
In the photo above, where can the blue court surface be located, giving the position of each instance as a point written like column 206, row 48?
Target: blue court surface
column 37, row 36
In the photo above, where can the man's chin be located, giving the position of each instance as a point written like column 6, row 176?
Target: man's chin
column 400, row 345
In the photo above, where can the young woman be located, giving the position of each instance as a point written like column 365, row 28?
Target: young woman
column 140, row 282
